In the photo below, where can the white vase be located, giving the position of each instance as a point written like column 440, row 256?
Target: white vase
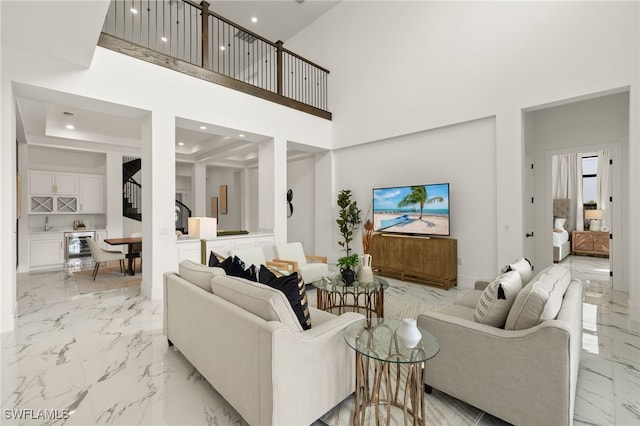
column 365, row 273
column 408, row 333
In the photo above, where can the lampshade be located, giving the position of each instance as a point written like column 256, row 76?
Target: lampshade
column 593, row 214
column 203, row 228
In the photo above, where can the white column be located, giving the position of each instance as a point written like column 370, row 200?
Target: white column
column 113, row 194
column 8, row 215
column 200, row 200
column 326, row 230
column 633, row 228
column 158, row 200
column 272, row 188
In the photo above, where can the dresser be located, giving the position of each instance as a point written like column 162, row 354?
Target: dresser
column 590, row 243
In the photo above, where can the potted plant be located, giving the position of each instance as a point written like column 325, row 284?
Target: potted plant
column 348, row 221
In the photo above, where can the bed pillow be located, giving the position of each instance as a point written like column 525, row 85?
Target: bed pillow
column 558, row 223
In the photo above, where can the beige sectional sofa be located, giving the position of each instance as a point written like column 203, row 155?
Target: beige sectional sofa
column 244, row 338
column 525, row 371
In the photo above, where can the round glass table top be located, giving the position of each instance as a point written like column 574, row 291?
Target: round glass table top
column 335, row 284
column 377, row 339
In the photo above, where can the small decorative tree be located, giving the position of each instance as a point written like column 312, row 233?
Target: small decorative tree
column 348, row 221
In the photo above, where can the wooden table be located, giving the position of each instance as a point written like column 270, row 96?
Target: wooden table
column 130, row 242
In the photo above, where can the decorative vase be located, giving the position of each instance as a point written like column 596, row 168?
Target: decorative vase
column 408, row 333
column 365, row 274
column 348, row 275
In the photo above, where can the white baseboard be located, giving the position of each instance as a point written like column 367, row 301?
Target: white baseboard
column 634, row 317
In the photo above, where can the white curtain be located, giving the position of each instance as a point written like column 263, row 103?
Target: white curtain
column 603, row 185
column 567, row 183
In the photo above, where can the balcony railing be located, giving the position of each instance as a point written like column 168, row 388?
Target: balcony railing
column 191, row 33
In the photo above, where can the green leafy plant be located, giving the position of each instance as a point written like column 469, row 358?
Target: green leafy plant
column 348, row 262
column 348, row 219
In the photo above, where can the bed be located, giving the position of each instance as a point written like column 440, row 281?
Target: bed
column 561, row 223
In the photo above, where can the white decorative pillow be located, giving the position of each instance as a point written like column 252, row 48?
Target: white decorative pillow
column 539, row 300
column 198, row 274
column 558, row 223
column 496, row 300
column 523, row 267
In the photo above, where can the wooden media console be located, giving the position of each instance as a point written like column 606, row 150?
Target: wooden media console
column 426, row 260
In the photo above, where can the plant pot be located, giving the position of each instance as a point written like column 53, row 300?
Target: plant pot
column 348, row 275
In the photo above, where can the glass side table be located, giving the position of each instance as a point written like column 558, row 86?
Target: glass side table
column 336, row 297
column 380, row 357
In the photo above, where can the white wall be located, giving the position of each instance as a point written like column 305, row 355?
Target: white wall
column 300, row 226
column 217, row 176
column 462, row 155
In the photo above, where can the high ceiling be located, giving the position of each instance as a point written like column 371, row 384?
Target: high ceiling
column 100, row 127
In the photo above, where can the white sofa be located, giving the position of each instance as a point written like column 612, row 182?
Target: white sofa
column 269, row 370
column 525, row 376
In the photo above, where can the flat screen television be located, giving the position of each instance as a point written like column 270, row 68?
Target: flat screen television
column 414, row 209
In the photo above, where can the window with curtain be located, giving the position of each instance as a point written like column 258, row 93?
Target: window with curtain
column 589, row 182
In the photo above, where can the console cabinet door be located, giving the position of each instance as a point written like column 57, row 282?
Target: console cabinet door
column 413, row 250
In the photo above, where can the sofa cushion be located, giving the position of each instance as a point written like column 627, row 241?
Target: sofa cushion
column 497, row 299
column 469, row 299
column 293, row 288
column 539, row 300
column 259, row 299
column 198, row 274
column 523, row 266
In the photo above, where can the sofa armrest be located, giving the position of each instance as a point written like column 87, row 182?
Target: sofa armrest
column 495, row 369
column 281, row 266
column 314, row 362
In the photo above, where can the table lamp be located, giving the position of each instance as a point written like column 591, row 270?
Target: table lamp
column 594, row 217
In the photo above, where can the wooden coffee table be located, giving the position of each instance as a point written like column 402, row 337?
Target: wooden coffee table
column 336, row 297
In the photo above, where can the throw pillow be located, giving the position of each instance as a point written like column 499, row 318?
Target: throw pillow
column 496, row 300
column 235, row 267
column 198, row 274
column 523, row 267
column 293, row 288
column 539, row 300
column 215, row 259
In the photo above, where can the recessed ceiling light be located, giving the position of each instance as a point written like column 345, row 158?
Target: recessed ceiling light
column 203, row 127
column 223, row 48
column 163, row 39
column 241, row 135
column 70, row 126
column 181, row 143
column 134, row 10
column 254, row 19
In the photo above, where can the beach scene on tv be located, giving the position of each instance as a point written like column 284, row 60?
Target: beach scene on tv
column 412, row 209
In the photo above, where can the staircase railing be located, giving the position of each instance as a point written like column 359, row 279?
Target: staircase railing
column 183, row 213
column 192, row 33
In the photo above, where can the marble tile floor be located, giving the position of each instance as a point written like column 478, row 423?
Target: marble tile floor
column 102, row 358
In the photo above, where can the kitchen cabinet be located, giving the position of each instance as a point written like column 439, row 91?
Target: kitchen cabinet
column 52, row 183
column 101, row 235
column 91, row 194
column 57, row 192
column 46, row 249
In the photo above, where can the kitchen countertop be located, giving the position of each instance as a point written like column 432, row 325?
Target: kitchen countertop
column 62, row 230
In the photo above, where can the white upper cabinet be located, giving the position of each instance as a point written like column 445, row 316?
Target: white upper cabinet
column 91, row 194
column 52, row 183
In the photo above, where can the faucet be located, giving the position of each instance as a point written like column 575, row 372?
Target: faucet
column 46, row 224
